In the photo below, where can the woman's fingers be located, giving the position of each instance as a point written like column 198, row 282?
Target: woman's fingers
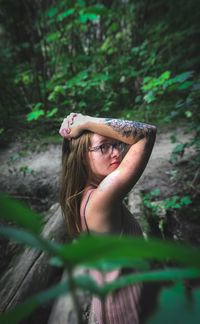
column 72, row 115
column 65, row 128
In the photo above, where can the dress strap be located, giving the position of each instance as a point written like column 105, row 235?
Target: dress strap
column 86, row 225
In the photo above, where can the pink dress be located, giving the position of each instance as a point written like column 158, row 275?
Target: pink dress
column 124, row 305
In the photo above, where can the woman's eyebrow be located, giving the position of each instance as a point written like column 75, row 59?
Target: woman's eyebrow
column 102, row 141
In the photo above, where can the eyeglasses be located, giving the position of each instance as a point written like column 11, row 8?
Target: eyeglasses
column 107, row 148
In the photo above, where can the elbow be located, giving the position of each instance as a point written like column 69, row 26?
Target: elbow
column 155, row 131
column 151, row 137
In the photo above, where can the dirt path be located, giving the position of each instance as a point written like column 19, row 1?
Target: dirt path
column 157, row 172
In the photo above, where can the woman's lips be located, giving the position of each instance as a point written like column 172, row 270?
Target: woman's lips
column 115, row 163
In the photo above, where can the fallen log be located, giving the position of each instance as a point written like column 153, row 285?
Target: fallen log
column 30, row 272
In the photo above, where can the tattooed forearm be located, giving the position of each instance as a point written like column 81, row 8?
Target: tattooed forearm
column 132, row 129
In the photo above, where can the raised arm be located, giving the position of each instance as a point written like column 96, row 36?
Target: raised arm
column 129, row 132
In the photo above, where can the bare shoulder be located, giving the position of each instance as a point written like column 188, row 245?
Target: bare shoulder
column 98, row 210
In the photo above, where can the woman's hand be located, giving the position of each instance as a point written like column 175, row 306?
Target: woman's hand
column 73, row 125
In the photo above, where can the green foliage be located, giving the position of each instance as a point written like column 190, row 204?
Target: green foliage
column 158, row 209
column 15, row 211
column 173, row 301
column 104, row 253
column 175, row 202
column 155, row 87
column 103, row 59
column 36, row 112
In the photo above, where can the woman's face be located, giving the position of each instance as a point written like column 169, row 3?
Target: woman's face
column 104, row 155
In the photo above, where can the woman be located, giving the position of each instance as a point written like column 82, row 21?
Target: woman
column 102, row 160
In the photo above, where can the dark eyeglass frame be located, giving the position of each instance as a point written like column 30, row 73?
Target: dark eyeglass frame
column 120, row 146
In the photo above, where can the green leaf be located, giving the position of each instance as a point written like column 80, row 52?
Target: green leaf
column 183, row 76
column 59, row 89
column 2, row 130
column 164, row 76
column 21, row 311
column 186, row 201
column 84, row 17
column 179, row 148
column 176, row 307
column 29, row 239
column 98, row 9
column 149, row 97
column 188, row 114
column 52, row 12
column 87, row 282
column 52, row 112
column 185, row 85
column 93, row 248
column 65, row 14
column 35, row 114
column 157, row 275
column 155, row 192
column 77, row 80
column 15, row 211
column 53, row 37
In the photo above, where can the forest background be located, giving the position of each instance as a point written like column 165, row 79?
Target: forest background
column 136, row 59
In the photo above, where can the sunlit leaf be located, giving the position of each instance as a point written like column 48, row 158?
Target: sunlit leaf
column 164, row 76
column 35, row 114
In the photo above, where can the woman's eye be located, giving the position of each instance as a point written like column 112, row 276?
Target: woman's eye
column 105, row 146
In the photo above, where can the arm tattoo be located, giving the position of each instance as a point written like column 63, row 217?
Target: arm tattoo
column 128, row 128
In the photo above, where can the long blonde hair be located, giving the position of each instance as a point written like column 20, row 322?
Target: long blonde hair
column 74, row 177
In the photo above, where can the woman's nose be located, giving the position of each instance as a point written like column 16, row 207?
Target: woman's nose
column 115, row 151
